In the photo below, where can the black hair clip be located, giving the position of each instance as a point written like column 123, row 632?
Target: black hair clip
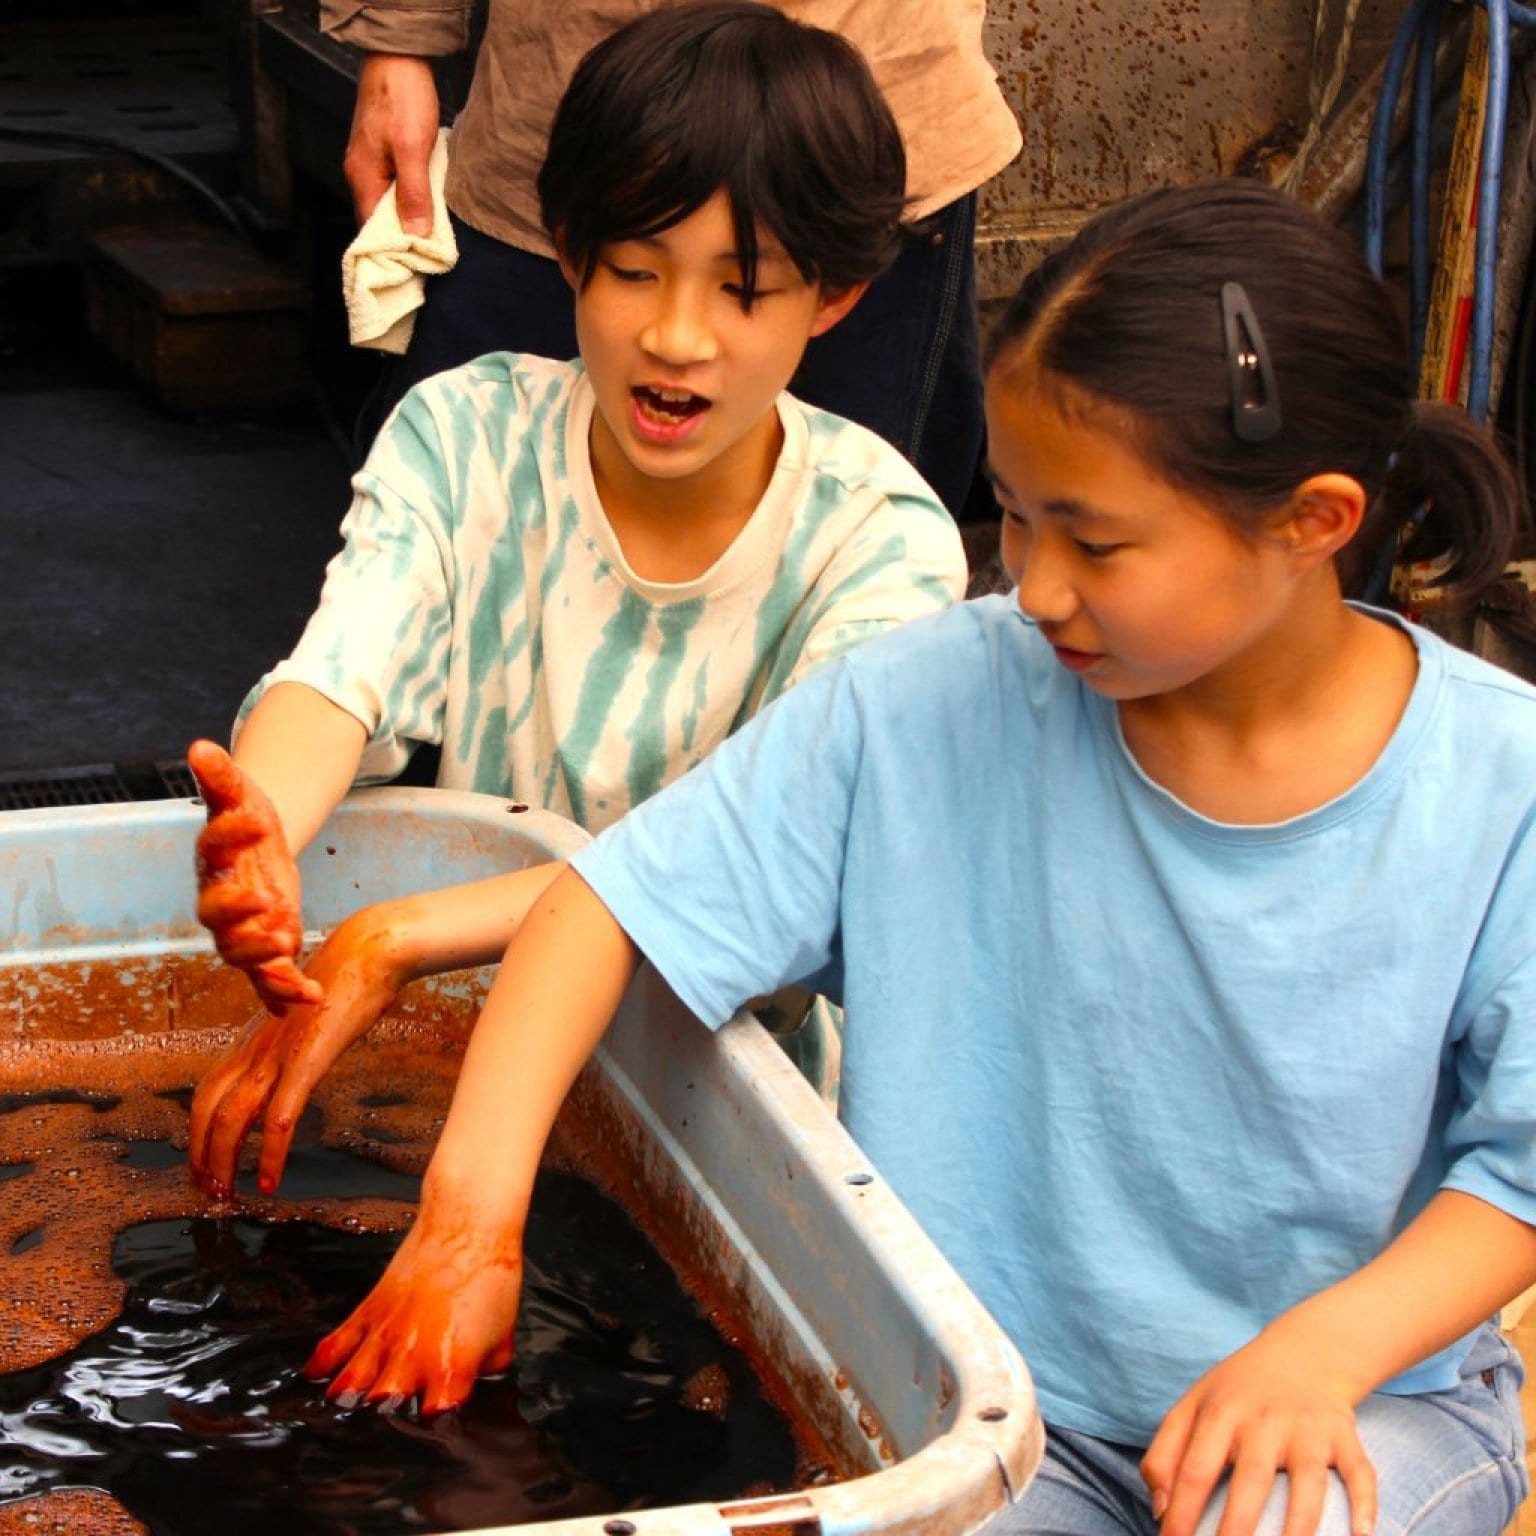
column 1250, row 378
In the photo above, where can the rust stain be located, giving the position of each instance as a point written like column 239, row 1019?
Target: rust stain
column 598, row 1137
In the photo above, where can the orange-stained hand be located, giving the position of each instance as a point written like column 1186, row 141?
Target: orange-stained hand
column 272, row 1069
column 394, row 126
column 442, row 1314
column 1272, row 1407
column 248, row 882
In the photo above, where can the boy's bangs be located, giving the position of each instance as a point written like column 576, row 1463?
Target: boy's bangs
column 687, row 102
column 677, row 178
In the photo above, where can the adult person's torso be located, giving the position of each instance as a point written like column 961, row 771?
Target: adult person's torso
column 926, row 56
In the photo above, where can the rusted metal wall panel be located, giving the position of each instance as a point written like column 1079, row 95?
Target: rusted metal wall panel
column 1115, row 97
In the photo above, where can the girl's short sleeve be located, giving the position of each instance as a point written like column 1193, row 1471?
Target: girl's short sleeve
column 377, row 644
column 730, row 880
column 1491, row 1132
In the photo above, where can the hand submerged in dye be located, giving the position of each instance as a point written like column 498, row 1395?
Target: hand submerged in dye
column 442, row 1314
column 270, row 1072
column 1276, row 1405
column 248, row 881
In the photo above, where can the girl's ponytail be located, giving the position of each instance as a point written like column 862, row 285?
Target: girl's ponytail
column 1450, row 506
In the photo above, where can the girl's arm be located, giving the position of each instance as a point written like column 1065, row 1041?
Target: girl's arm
column 1286, row 1401
column 444, row 1309
column 296, row 757
column 271, row 1072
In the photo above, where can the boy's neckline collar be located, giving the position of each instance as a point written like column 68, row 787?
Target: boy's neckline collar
column 761, row 537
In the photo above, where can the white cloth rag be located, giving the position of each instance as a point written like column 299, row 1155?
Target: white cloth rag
column 383, row 271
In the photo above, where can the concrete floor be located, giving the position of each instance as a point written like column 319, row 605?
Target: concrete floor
column 151, row 567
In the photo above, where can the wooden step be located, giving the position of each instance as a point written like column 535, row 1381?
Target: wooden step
column 195, row 312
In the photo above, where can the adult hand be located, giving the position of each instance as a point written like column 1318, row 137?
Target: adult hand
column 394, row 126
column 248, row 882
column 272, row 1070
column 442, row 1313
column 1272, row 1407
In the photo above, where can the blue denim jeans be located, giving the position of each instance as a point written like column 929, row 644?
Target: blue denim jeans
column 905, row 363
column 1447, row 1464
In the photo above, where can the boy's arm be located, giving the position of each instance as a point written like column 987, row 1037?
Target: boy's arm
column 296, row 757
column 1286, row 1401
column 445, row 1308
column 272, row 1070
column 303, row 751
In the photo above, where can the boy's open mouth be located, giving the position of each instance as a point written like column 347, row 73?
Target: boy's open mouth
column 669, row 406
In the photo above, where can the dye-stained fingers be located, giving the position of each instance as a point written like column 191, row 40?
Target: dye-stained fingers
column 218, row 779
column 280, row 982
column 390, row 1373
column 273, row 1068
column 440, row 1316
column 245, row 931
column 225, row 1105
column 249, row 1081
column 359, row 983
column 248, row 882
column 307, row 1052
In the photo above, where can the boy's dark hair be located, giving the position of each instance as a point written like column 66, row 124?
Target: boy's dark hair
column 732, row 95
column 1130, row 314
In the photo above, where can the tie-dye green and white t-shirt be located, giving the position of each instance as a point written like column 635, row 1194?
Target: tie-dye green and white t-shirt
column 482, row 602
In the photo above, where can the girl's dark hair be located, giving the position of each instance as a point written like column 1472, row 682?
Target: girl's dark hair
column 1130, row 314
column 729, row 94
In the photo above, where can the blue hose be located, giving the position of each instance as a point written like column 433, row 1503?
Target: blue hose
column 1420, row 27
column 1420, row 241
column 1381, row 129
column 1480, row 347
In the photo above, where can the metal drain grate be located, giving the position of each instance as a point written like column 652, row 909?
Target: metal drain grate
column 96, row 784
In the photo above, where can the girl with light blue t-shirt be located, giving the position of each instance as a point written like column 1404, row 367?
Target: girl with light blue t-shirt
column 1181, row 910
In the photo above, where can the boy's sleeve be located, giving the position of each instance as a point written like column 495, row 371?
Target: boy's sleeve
column 1491, row 1136
column 730, row 880
column 904, row 562
column 377, row 644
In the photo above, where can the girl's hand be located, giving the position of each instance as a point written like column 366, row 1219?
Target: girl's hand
column 442, row 1314
column 272, row 1070
column 248, row 882
column 1272, row 1407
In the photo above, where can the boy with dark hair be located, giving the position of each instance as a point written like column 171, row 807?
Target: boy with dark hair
column 578, row 578
column 905, row 365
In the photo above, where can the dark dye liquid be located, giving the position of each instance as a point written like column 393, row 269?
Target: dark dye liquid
column 190, row 1410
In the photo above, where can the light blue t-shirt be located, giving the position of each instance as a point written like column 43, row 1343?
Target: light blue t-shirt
column 1147, row 1079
